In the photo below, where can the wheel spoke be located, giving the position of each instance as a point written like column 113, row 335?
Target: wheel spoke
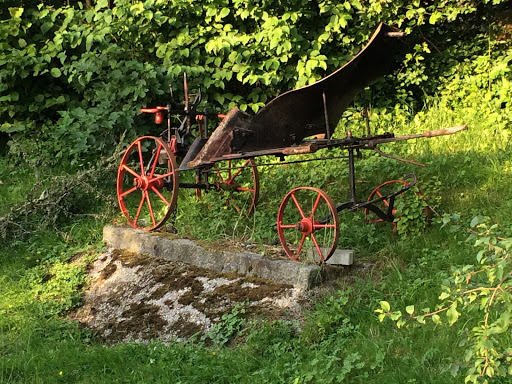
column 301, row 243
column 129, row 170
column 298, row 205
column 155, row 159
column 384, row 201
column 319, row 226
column 162, row 176
column 229, row 170
column 287, row 226
column 239, row 170
column 160, row 196
column 140, row 208
column 243, row 189
column 148, row 200
column 315, row 206
column 128, row 192
column 219, row 174
column 236, row 206
column 139, row 147
column 317, row 247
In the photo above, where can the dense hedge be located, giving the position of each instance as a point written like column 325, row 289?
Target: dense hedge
column 72, row 79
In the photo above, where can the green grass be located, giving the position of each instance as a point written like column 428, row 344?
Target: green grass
column 341, row 339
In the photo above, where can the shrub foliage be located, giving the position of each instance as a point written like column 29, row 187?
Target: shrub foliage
column 72, row 77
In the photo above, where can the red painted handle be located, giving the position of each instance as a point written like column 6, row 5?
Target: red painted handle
column 153, row 110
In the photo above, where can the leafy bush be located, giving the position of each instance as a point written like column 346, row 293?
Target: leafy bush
column 73, row 79
column 481, row 294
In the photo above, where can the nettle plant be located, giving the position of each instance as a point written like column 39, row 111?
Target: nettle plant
column 479, row 298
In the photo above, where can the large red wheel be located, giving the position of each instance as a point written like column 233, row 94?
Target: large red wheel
column 239, row 183
column 380, row 191
column 308, row 225
column 147, row 183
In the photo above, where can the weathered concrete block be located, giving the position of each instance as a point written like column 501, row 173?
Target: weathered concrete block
column 341, row 257
column 187, row 251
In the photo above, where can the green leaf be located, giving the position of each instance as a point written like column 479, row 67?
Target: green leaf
column 224, row 12
column 410, row 309
column 46, row 26
column 385, row 306
column 16, row 12
column 219, row 98
column 56, row 72
column 434, row 17
column 477, row 220
column 444, row 296
column 452, row 315
column 22, row 43
column 101, row 4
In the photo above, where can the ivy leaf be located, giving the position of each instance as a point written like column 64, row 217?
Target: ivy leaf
column 410, row 309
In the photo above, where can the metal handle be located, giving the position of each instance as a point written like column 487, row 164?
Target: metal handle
column 153, row 110
column 412, row 182
column 445, row 131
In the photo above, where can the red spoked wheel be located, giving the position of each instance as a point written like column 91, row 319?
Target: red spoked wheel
column 147, row 183
column 380, row 191
column 239, row 182
column 308, row 225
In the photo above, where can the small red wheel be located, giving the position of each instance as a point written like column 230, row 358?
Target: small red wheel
column 239, row 181
column 147, row 183
column 383, row 190
column 308, row 223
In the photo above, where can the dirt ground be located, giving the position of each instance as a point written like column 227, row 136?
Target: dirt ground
column 134, row 297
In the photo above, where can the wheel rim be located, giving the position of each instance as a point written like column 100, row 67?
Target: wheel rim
column 238, row 180
column 382, row 190
column 308, row 219
column 147, row 183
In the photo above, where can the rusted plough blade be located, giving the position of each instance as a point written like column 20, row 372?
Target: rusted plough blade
column 314, row 109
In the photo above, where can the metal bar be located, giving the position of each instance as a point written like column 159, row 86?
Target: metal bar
column 286, row 162
column 194, row 185
column 351, row 175
column 366, row 114
column 326, row 115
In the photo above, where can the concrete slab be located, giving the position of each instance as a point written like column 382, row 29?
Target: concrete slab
column 187, row 251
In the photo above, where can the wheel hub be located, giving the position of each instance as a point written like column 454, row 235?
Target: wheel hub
column 144, row 183
column 304, row 226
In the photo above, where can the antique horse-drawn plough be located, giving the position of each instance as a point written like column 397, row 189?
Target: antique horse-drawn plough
column 300, row 121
